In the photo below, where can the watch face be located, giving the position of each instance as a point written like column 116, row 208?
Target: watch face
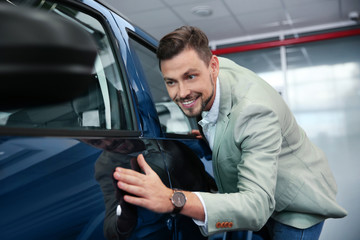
column 178, row 199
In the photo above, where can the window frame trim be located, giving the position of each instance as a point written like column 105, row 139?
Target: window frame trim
column 56, row 132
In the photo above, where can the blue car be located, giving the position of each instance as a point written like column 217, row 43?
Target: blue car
column 81, row 93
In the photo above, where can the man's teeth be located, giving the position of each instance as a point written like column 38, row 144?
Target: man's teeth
column 188, row 102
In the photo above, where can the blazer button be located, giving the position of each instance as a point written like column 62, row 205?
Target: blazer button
column 218, row 225
column 224, row 224
column 228, row 224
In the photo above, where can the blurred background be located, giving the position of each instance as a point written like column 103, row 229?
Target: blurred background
column 309, row 50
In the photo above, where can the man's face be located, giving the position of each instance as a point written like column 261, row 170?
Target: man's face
column 190, row 82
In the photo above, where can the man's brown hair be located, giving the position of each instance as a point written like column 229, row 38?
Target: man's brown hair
column 185, row 37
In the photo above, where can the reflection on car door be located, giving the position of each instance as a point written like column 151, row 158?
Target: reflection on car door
column 177, row 166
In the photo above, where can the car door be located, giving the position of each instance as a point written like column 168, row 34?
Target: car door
column 56, row 160
column 48, row 189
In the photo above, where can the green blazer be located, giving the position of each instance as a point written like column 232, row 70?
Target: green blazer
column 264, row 164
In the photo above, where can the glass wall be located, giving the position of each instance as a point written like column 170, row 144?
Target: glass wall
column 322, row 86
column 266, row 63
column 324, row 93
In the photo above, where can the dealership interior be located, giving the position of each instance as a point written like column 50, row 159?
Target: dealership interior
column 309, row 50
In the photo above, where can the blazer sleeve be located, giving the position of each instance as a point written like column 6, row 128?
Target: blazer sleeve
column 246, row 170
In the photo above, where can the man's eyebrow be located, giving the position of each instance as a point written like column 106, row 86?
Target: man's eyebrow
column 168, row 79
column 190, row 70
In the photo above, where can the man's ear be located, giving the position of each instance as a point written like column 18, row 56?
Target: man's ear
column 214, row 66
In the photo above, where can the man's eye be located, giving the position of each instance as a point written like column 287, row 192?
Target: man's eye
column 191, row 76
column 169, row 83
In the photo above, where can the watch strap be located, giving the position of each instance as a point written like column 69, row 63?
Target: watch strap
column 176, row 210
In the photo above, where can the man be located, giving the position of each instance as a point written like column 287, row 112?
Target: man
column 269, row 175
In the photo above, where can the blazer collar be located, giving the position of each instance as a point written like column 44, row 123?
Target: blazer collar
column 225, row 97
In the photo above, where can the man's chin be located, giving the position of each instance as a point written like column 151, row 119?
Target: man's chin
column 191, row 112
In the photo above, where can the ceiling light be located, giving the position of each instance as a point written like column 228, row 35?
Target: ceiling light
column 354, row 16
column 202, row 11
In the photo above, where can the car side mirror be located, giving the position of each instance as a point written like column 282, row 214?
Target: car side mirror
column 44, row 58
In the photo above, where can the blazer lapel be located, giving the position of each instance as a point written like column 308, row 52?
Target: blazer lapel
column 224, row 113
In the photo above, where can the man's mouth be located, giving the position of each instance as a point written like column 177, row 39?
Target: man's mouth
column 188, row 103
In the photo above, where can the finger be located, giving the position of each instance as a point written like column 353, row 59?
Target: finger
column 135, row 200
column 195, row 132
column 131, row 189
column 118, row 174
column 143, row 164
column 127, row 171
column 129, row 177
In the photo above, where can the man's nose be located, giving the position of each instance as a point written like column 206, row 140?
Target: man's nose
column 184, row 91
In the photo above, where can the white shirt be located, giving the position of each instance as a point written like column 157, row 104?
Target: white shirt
column 209, row 118
column 208, row 124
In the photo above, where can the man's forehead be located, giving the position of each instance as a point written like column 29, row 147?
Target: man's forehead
column 181, row 64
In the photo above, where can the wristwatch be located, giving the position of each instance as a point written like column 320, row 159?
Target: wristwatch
column 178, row 199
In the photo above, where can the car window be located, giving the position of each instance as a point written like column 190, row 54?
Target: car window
column 105, row 106
column 172, row 119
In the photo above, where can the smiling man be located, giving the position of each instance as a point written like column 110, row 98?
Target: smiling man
column 190, row 82
column 270, row 176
